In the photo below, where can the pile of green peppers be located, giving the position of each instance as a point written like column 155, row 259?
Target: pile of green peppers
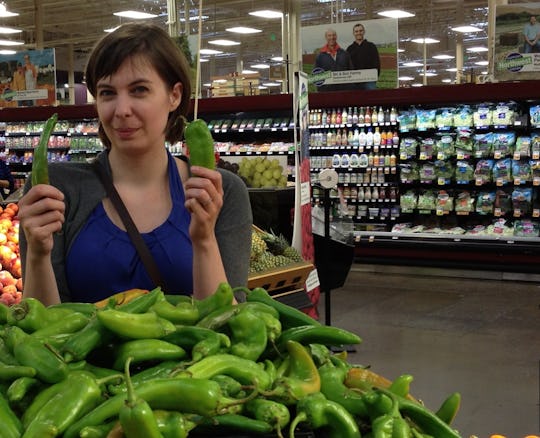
column 169, row 366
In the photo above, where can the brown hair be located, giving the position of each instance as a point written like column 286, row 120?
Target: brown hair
column 153, row 44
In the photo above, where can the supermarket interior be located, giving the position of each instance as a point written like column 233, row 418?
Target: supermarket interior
column 395, row 197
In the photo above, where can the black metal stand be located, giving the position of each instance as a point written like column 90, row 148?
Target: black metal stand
column 333, row 260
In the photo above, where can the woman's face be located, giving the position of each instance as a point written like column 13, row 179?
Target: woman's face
column 133, row 105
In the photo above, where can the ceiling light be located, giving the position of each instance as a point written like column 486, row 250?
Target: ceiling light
column 447, row 81
column 137, row 15
column 477, row 49
column 428, row 74
column 412, row 64
column 271, row 84
column 482, row 63
column 242, row 29
column 395, row 13
column 111, row 29
column 224, row 42
column 417, row 84
column 195, row 18
column 406, row 78
column 466, row 29
column 451, row 70
column 443, row 56
column 11, row 43
column 4, row 13
column 277, row 58
column 203, row 60
column 249, row 72
column 260, row 66
column 7, row 52
column 6, row 30
column 267, row 13
column 425, row 40
column 400, row 50
column 210, row 52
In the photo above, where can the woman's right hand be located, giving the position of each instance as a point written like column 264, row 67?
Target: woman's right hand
column 41, row 214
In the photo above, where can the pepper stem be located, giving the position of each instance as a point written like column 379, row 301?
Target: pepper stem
column 302, row 416
column 129, row 383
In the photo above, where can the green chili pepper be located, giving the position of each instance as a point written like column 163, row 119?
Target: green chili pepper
column 387, row 421
column 320, row 353
column 71, row 323
column 272, row 324
column 28, row 351
column 79, row 393
column 422, row 417
column 87, row 309
column 188, row 395
column 333, row 388
column 401, row 385
column 98, row 431
column 142, row 303
column 135, row 325
column 288, row 315
column 272, row 412
column 4, row 310
column 200, row 341
column 91, row 336
column 321, row 413
column 20, row 387
column 309, row 334
column 141, row 350
column 11, row 425
column 173, row 424
column 219, row 317
column 161, row 370
column 136, row 416
column 248, row 335
column 233, row 423
column 449, row 408
column 200, row 144
column 29, row 314
column 230, row 386
column 40, row 165
column 176, row 299
column 12, row 372
column 181, row 313
column 300, row 378
column 6, row 355
column 244, row 370
column 223, row 296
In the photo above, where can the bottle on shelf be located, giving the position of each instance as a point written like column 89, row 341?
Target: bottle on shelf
column 355, row 116
column 380, row 115
column 367, row 116
column 377, row 137
column 369, row 138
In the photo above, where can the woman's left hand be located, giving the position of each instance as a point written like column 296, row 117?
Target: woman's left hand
column 204, row 199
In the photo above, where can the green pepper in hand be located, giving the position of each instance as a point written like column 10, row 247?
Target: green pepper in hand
column 40, row 165
column 200, row 144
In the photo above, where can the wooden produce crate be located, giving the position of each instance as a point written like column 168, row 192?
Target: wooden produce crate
column 281, row 279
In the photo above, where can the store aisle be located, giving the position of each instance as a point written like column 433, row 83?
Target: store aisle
column 478, row 337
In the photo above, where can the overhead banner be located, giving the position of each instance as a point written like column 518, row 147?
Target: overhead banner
column 517, row 42
column 373, row 61
column 28, row 78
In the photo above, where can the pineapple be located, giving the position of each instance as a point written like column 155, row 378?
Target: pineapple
column 258, row 245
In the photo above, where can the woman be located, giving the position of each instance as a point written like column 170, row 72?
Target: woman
column 198, row 226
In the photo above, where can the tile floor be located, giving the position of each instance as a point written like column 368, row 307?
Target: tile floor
column 480, row 337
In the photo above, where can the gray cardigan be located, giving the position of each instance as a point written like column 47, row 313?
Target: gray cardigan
column 83, row 191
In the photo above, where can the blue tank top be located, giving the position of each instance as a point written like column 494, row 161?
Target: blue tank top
column 103, row 261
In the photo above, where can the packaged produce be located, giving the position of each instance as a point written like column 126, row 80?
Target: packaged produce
column 445, row 146
column 427, row 200
column 427, row 149
column 503, row 144
column 526, row 228
column 463, row 117
column 427, row 172
column 503, row 202
column 464, row 143
column 409, row 172
column 534, row 113
column 523, row 147
column 483, row 115
column 407, row 120
column 485, row 202
column 408, row 201
column 444, row 202
column 444, row 169
column 464, row 202
column 483, row 144
column 408, row 148
column 504, row 114
column 522, row 200
column 444, row 118
column 483, row 171
column 502, row 171
column 521, row 171
column 464, row 172
column 425, row 119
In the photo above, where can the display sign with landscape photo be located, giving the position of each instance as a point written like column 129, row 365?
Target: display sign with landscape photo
column 28, row 78
column 517, row 42
column 369, row 65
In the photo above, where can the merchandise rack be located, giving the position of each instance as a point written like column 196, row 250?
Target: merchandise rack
column 510, row 254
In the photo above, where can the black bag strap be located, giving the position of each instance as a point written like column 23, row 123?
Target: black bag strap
column 139, row 243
